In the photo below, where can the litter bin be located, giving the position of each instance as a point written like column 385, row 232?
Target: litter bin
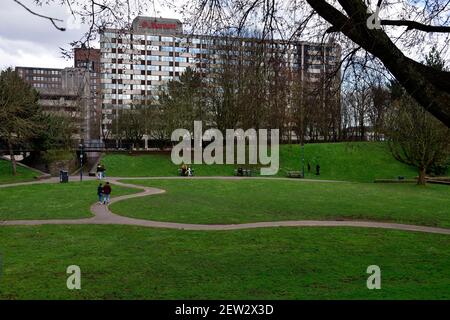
column 63, row 176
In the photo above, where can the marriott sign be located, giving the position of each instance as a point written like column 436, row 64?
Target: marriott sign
column 157, row 25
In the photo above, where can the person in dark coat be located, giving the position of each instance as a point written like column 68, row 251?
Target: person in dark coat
column 100, row 192
column 317, row 170
column 106, row 193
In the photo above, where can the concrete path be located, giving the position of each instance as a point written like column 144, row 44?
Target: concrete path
column 102, row 215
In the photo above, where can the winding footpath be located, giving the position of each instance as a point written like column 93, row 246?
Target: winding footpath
column 102, row 214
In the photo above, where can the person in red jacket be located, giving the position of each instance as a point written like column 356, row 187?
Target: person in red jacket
column 106, row 193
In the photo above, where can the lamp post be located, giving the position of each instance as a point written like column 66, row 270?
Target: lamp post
column 303, row 160
column 81, row 162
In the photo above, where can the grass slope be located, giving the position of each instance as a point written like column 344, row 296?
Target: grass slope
column 120, row 262
column 349, row 161
column 361, row 161
column 23, row 174
column 238, row 201
column 51, row 201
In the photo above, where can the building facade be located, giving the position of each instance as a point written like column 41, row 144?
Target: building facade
column 135, row 63
column 89, row 59
column 64, row 92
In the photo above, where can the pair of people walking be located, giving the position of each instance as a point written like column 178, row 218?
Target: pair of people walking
column 104, row 193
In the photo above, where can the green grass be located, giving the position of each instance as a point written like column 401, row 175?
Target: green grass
column 51, row 201
column 119, row 262
column 349, row 161
column 23, row 174
column 238, row 201
column 358, row 161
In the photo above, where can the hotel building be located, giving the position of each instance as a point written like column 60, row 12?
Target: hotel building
column 135, row 63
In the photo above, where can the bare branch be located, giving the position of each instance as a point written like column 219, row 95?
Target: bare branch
column 415, row 25
column 52, row 20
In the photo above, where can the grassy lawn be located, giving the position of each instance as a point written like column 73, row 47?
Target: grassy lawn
column 359, row 161
column 23, row 174
column 238, row 201
column 349, row 161
column 120, row 262
column 51, row 201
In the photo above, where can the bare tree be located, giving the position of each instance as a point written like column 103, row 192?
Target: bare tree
column 416, row 138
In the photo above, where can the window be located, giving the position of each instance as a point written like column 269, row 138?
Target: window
column 180, row 49
column 153, row 38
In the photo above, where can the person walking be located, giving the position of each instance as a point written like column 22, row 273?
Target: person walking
column 106, row 193
column 99, row 171
column 100, row 193
column 103, row 171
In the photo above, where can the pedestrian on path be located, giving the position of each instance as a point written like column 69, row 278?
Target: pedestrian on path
column 100, row 171
column 100, row 193
column 106, row 193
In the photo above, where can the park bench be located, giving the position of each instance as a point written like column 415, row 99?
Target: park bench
column 179, row 172
column 295, row 174
column 245, row 172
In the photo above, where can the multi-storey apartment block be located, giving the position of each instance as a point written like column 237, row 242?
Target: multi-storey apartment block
column 89, row 59
column 135, row 63
column 64, row 92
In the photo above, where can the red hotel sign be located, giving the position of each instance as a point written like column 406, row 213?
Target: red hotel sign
column 157, row 25
column 154, row 25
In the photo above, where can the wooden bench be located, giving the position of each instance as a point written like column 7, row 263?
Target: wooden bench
column 295, row 174
column 245, row 172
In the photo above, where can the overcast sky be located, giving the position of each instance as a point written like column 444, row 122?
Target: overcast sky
column 30, row 41
column 27, row 40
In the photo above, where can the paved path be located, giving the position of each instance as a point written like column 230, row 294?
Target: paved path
column 102, row 215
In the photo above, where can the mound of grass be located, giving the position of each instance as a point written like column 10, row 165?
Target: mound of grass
column 359, row 161
column 121, row 262
column 156, row 165
column 349, row 161
column 238, row 201
column 23, row 174
column 51, row 201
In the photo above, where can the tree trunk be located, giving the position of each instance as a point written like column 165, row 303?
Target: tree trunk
column 13, row 159
column 421, row 181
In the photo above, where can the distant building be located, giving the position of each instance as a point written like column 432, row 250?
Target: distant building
column 41, row 78
column 89, row 59
column 66, row 92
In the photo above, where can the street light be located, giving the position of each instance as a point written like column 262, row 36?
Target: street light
column 81, row 162
column 303, row 160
